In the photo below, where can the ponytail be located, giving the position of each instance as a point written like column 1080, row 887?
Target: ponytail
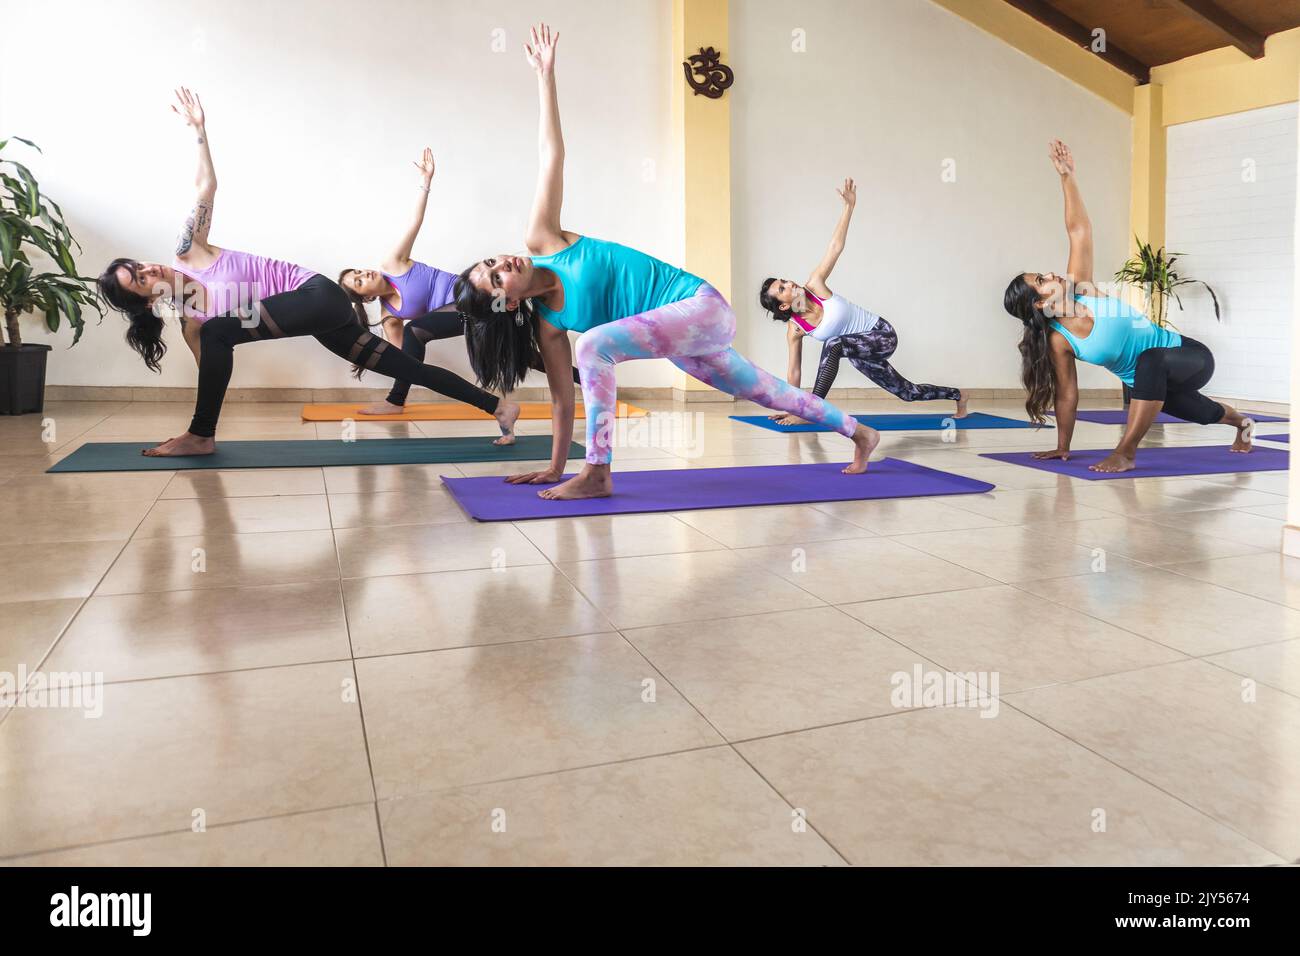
column 144, row 333
column 768, row 302
column 1036, row 370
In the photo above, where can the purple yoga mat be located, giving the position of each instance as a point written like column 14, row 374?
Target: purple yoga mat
column 1117, row 416
column 1285, row 438
column 1168, row 462
column 691, row 489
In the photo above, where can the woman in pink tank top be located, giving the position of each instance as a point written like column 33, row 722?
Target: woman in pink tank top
column 228, row 298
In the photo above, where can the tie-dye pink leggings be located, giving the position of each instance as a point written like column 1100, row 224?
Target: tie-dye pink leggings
column 695, row 335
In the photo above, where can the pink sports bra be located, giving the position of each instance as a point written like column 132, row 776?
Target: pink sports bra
column 800, row 320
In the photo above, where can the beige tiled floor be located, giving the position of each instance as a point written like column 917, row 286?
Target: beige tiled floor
column 337, row 666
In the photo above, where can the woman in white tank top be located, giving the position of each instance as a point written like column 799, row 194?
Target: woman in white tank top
column 845, row 330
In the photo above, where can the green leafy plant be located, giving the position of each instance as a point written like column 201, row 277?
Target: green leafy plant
column 1152, row 270
column 30, row 220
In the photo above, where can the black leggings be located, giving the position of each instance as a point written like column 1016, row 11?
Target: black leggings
column 1175, row 376
column 445, row 323
column 869, row 352
column 321, row 309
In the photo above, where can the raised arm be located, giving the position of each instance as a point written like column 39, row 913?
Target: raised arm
column 544, row 234
column 193, row 240
column 1077, row 224
column 399, row 258
column 817, row 281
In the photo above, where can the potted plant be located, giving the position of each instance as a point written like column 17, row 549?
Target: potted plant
column 31, row 221
column 1153, row 272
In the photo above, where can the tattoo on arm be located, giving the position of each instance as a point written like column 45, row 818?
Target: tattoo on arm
column 197, row 222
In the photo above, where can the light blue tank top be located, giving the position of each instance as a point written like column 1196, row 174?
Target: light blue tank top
column 1119, row 335
column 604, row 282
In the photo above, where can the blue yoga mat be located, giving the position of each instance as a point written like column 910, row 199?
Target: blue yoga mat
column 1285, row 438
column 900, row 422
column 315, row 453
column 1169, row 462
column 693, row 489
column 1118, row 416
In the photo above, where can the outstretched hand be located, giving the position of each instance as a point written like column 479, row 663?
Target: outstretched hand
column 425, row 165
column 1063, row 454
column 1061, row 157
column 548, row 477
column 191, row 109
column 849, row 192
column 540, row 53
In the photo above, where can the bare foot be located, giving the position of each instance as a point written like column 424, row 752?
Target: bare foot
column 381, row 408
column 961, row 406
column 790, row 420
column 593, row 481
column 865, row 441
column 1113, row 463
column 507, row 414
column 182, row 446
column 1245, row 435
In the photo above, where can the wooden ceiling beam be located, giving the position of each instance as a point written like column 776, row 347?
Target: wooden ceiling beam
column 1232, row 30
column 1054, row 19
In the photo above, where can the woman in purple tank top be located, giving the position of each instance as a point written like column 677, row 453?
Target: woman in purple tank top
column 233, row 298
column 410, row 292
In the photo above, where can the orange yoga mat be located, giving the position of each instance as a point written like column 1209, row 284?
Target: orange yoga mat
column 442, row 412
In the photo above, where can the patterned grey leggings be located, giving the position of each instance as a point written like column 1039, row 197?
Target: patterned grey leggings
column 869, row 352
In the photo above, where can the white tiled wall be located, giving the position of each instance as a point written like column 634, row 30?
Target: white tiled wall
column 1239, row 236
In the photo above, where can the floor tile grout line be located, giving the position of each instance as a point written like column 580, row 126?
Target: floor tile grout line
column 179, row 831
column 1133, row 773
column 356, row 678
column 5, row 711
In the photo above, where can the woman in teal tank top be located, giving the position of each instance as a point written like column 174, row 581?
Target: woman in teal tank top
column 1065, row 321
column 625, row 304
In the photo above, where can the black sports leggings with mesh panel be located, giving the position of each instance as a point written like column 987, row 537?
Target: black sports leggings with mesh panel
column 1175, row 377
column 445, row 323
column 321, row 309
column 869, row 353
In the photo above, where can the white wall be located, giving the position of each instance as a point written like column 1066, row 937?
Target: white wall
column 887, row 91
column 315, row 110
column 1239, row 236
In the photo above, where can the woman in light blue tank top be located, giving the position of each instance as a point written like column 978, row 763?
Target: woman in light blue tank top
column 1065, row 321
column 626, row 305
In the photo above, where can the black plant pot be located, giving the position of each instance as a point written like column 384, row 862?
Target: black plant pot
column 22, row 379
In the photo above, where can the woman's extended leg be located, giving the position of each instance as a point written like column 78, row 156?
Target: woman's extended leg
column 445, row 323
column 367, row 350
column 695, row 334
column 1171, row 378
column 870, row 353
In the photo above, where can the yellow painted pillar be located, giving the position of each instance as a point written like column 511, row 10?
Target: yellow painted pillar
column 1147, row 212
column 702, row 138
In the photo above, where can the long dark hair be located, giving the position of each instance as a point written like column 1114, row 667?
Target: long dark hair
column 144, row 333
column 359, row 313
column 768, row 301
column 1036, row 370
column 358, row 303
column 502, row 347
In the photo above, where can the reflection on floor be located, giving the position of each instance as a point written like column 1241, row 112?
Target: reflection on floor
column 335, row 666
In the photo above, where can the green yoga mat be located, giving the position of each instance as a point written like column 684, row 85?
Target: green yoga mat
column 125, row 456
